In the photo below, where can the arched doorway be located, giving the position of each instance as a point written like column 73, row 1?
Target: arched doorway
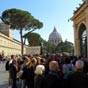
column 83, row 39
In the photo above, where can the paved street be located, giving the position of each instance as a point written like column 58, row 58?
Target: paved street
column 3, row 76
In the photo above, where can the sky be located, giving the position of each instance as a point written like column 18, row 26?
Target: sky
column 50, row 12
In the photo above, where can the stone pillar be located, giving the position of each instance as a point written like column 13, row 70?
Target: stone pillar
column 77, row 50
column 75, row 31
column 74, row 40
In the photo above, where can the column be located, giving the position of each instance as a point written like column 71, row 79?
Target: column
column 75, row 37
column 78, row 51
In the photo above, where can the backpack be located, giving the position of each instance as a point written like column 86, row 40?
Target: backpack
column 7, row 66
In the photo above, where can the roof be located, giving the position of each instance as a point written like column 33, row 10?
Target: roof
column 78, row 8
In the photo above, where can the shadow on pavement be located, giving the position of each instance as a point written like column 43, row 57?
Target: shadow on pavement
column 5, row 85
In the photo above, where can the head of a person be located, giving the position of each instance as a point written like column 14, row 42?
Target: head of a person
column 18, row 60
column 43, row 60
column 38, row 59
column 14, row 61
column 39, row 69
column 53, row 66
column 79, row 65
column 12, row 57
column 67, row 60
column 27, row 60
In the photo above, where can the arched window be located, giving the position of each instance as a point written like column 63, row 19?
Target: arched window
column 83, row 39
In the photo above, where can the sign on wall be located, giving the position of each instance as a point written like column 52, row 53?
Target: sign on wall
column 33, row 50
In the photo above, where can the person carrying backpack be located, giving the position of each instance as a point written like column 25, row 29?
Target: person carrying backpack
column 68, row 67
column 7, row 65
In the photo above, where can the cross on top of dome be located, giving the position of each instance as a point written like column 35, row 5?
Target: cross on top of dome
column 54, row 30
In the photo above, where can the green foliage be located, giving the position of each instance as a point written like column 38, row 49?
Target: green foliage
column 48, row 47
column 20, row 20
column 65, row 47
column 33, row 39
column 16, row 18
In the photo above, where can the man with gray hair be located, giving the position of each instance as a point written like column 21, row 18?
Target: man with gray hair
column 79, row 65
column 78, row 79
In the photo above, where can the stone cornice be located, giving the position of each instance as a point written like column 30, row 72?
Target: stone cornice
column 79, row 10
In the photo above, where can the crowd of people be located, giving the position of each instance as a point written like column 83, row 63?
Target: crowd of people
column 2, row 58
column 50, row 71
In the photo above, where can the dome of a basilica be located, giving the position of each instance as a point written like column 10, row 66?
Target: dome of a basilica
column 55, row 37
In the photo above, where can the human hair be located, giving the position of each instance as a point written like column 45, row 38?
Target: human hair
column 53, row 65
column 67, row 60
column 12, row 56
column 79, row 65
column 39, row 69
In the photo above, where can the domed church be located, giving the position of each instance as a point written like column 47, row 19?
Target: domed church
column 54, row 37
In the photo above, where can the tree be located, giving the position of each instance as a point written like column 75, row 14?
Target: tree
column 65, row 47
column 34, row 39
column 20, row 20
column 60, row 47
column 48, row 47
column 69, row 46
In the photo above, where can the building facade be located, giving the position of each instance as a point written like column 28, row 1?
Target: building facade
column 80, row 25
column 54, row 37
column 9, row 45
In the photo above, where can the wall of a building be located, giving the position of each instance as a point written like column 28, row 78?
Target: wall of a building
column 8, row 45
column 80, row 17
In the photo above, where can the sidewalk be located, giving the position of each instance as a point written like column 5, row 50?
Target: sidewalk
column 3, row 76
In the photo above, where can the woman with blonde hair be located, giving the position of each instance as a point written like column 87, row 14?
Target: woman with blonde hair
column 38, row 79
column 28, row 72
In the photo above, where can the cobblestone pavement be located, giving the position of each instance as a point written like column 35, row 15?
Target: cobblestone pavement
column 3, row 76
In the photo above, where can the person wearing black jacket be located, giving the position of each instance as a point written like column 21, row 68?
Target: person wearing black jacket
column 52, row 79
column 78, row 79
column 13, row 73
column 39, row 76
column 28, row 74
